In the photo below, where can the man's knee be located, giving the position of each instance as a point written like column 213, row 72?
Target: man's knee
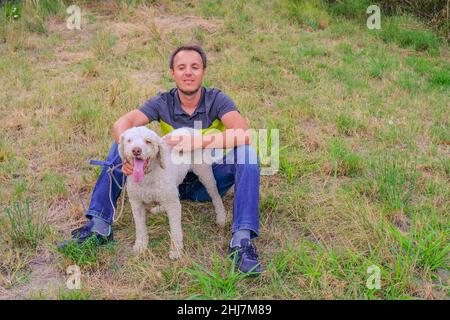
column 113, row 154
column 246, row 154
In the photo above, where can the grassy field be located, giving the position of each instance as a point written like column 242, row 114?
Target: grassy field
column 364, row 174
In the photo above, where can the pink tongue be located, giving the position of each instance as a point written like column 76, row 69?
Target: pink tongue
column 138, row 170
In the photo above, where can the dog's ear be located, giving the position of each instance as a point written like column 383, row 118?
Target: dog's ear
column 122, row 146
column 162, row 154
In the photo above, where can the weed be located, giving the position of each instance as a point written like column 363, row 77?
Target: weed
column 89, row 254
column 395, row 181
column 219, row 283
column 402, row 31
column 24, row 226
column 345, row 163
column 103, row 43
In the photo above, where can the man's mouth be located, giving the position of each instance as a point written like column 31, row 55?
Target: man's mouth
column 139, row 169
column 188, row 81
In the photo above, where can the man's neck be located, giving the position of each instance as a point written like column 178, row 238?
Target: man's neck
column 190, row 102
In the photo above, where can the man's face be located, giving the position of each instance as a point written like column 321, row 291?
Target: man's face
column 188, row 71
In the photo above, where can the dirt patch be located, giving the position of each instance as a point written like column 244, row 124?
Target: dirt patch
column 5, row 294
column 313, row 134
column 170, row 23
column 45, row 278
column 145, row 78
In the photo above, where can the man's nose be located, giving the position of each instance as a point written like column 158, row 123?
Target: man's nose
column 188, row 71
column 137, row 151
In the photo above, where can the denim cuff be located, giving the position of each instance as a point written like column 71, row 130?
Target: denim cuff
column 91, row 213
column 254, row 232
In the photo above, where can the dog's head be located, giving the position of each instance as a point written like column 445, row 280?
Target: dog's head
column 144, row 146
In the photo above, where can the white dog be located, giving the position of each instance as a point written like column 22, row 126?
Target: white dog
column 156, row 178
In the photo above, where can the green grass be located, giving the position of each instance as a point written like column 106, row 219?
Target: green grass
column 102, row 44
column 395, row 179
column 353, row 9
column 441, row 77
column 74, row 295
column 428, row 247
column 89, row 255
column 345, row 163
column 23, row 226
column 404, row 32
column 348, row 125
column 219, row 283
column 305, row 12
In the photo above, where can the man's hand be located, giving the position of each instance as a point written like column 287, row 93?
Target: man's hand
column 187, row 143
column 127, row 167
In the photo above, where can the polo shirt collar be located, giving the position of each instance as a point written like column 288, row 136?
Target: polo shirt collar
column 200, row 108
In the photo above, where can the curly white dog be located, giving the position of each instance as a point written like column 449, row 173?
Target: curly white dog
column 156, row 178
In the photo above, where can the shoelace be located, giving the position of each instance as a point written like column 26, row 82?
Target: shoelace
column 250, row 250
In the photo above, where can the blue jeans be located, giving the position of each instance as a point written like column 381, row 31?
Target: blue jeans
column 237, row 169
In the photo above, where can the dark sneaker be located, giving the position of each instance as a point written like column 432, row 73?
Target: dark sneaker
column 246, row 257
column 84, row 233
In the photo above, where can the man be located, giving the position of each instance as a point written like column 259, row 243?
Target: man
column 188, row 105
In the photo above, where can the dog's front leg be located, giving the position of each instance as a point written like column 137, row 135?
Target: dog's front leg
column 141, row 227
column 173, row 209
column 206, row 177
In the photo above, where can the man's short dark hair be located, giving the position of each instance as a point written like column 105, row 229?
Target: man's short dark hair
column 192, row 47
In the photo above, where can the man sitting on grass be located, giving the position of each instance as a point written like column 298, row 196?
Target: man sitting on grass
column 183, row 106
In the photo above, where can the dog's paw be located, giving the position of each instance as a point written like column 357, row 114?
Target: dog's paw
column 139, row 247
column 221, row 220
column 174, row 254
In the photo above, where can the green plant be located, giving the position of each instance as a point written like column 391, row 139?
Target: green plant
column 102, row 44
column 305, row 12
column 347, row 124
column 220, row 283
column 23, row 226
column 428, row 247
column 88, row 254
column 402, row 31
column 13, row 10
column 395, row 181
column 74, row 295
column 345, row 163
column 441, row 77
column 354, row 9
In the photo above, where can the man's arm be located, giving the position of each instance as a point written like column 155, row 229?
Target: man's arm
column 236, row 134
column 133, row 118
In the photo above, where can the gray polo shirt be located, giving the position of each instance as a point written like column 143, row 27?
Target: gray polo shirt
column 166, row 108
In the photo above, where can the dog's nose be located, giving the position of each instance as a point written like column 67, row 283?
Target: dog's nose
column 137, row 151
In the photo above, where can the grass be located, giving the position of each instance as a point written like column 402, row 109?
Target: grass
column 345, row 163
column 89, row 255
column 395, row 180
column 363, row 130
column 428, row 247
column 219, row 283
column 404, row 32
column 23, row 226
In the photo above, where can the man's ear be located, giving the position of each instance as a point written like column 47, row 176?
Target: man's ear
column 121, row 146
column 171, row 73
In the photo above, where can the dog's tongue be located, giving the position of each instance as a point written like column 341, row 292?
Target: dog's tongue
column 138, row 170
